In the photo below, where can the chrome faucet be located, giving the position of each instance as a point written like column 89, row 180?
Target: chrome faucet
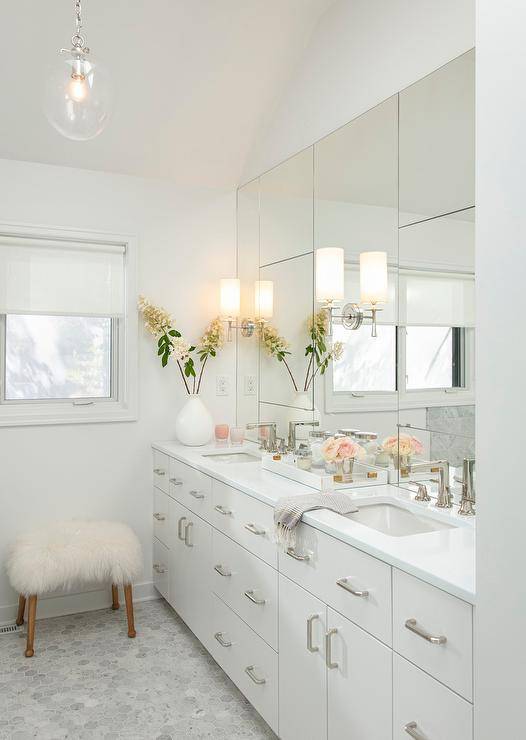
column 270, row 442
column 444, row 498
column 292, row 431
column 467, row 501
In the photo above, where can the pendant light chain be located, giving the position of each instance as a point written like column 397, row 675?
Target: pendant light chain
column 78, row 39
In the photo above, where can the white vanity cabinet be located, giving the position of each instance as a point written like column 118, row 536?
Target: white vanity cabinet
column 326, row 641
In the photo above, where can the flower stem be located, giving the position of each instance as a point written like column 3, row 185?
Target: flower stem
column 305, row 384
column 182, row 376
column 291, row 375
column 201, row 374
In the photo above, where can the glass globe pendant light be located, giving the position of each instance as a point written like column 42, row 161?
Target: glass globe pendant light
column 78, row 95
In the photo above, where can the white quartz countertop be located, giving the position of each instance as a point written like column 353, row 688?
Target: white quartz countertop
column 445, row 558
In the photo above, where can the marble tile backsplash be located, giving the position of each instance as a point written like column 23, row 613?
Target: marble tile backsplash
column 453, row 433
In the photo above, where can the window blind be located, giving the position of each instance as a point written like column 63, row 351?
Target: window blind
column 51, row 276
column 436, row 299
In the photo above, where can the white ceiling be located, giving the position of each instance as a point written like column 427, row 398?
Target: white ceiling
column 193, row 80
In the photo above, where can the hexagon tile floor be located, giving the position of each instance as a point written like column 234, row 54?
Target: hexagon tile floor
column 89, row 681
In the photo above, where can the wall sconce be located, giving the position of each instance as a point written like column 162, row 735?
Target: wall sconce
column 230, row 305
column 330, row 287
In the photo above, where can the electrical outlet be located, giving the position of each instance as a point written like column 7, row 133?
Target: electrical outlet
column 251, row 385
column 222, row 385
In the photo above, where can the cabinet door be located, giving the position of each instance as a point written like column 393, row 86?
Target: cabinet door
column 178, row 520
column 195, row 604
column 359, row 677
column 302, row 670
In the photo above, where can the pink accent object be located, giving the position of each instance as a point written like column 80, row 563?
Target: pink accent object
column 237, row 435
column 221, row 432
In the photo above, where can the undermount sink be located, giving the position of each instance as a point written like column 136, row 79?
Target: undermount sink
column 395, row 521
column 232, row 457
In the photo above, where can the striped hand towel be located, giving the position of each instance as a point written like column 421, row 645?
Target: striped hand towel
column 289, row 511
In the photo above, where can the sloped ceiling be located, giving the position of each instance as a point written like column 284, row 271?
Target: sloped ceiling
column 193, row 81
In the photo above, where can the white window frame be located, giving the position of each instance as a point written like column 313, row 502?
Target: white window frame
column 341, row 402
column 122, row 405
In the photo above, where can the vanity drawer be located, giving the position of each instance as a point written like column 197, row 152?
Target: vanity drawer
column 161, row 568
column 438, row 713
column 161, row 467
column 245, row 520
column 243, row 581
column 191, row 488
column 247, row 660
column 350, row 581
column 434, row 614
column 162, row 514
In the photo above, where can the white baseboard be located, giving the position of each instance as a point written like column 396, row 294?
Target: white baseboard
column 73, row 603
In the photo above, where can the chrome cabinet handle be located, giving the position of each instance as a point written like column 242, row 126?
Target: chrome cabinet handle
column 159, row 471
column 249, row 670
column 344, row 583
column 159, row 568
column 250, row 595
column 255, row 529
column 293, row 554
column 412, row 730
column 187, row 531
column 180, row 527
column 328, row 648
column 310, row 647
column 176, row 481
column 159, row 517
column 222, row 572
column 196, row 494
column 219, row 638
column 412, row 625
column 222, row 510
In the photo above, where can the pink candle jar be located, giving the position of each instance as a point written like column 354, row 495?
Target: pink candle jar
column 221, row 432
column 237, row 435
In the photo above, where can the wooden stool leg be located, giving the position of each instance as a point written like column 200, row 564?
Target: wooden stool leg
column 129, row 609
column 115, row 596
column 31, row 616
column 21, row 609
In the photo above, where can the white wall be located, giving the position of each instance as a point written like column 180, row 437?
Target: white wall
column 361, row 52
column 501, row 370
column 186, row 243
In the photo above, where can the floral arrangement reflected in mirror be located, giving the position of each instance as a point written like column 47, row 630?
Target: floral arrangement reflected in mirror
column 401, row 448
column 194, row 423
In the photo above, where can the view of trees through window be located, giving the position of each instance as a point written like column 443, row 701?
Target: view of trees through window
column 57, row 357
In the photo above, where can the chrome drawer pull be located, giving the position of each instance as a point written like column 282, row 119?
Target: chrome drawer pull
column 197, row 494
column 176, row 481
column 293, row 554
column 412, row 729
column 222, row 510
column 159, row 517
column 187, row 531
column 310, row 647
column 249, row 670
column 159, row 471
column 344, row 583
column 222, row 572
column 328, row 648
column 411, row 624
column 159, row 568
column 219, row 638
column 255, row 529
column 180, row 527
column 254, row 599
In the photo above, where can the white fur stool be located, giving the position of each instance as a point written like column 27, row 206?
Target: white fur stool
column 66, row 554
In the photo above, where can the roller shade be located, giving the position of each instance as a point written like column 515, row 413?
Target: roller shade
column 46, row 276
column 352, row 293
column 436, row 299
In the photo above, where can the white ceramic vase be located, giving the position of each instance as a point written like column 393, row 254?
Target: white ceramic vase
column 194, row 425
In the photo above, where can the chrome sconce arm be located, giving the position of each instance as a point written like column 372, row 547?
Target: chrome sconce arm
column 246, row 327
column 352, row 316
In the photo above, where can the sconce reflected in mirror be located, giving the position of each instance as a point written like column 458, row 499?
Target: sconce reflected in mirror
column 330, row 287
column 230, row 305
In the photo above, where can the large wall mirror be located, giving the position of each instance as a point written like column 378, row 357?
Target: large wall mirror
column 399, row 180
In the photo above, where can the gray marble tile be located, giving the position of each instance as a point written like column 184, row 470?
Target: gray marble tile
column 88, row 680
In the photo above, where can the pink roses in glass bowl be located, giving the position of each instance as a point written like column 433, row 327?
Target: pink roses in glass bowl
column 337, row 449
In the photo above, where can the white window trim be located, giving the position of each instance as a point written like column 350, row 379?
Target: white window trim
column 122, row 408
column 340, row 402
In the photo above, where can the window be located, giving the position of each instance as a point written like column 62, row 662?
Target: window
column 57, row 357
column 433, row 357
column 68, row 326
column 365, row 366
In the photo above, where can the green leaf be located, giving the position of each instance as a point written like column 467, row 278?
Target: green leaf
column 161, row 351
column 165, row 359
